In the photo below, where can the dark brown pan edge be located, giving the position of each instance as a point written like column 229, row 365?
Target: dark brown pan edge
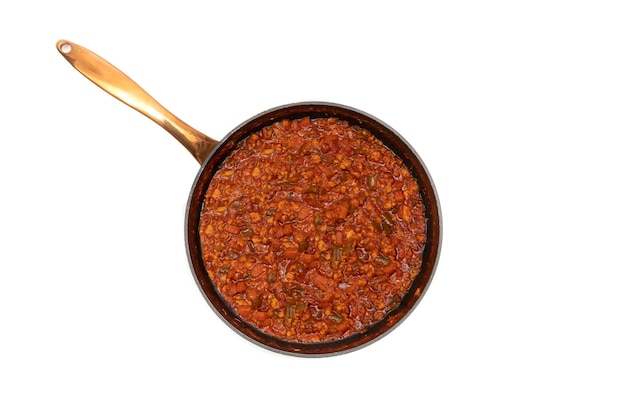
column 392, row 140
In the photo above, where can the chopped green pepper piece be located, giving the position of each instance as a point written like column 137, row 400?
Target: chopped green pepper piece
column 337, row 251
column 335, row 317
column 290, row 310
column 313, row 189
column 382, row 260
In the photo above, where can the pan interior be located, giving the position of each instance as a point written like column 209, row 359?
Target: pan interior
column 393, row 141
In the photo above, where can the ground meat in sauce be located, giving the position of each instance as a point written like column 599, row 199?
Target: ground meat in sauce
column 312, row 229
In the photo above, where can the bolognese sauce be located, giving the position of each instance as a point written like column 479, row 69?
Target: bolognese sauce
column 312, row 230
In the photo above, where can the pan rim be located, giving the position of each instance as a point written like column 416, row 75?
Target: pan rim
column 194, row 205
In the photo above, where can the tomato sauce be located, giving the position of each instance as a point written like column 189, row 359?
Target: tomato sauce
column 312, row 230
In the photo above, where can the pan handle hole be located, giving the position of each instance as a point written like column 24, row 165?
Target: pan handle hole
column 66, row 48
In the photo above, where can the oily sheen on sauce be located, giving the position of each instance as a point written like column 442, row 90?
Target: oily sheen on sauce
column 312, row 230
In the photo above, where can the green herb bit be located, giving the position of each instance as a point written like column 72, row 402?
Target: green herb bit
column 382, row 260
column 388, row 218
column 335, row 317
column 337, row 252
column 236, row 205
column 313, row 189
column 290, row 310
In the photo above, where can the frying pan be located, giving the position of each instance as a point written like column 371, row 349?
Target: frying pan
column 210, row 154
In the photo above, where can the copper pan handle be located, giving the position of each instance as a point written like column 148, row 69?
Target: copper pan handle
column 120, row 86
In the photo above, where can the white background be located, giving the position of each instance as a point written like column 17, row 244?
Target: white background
column 517, row 108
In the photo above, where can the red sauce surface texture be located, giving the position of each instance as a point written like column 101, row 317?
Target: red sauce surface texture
column 312, row 229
